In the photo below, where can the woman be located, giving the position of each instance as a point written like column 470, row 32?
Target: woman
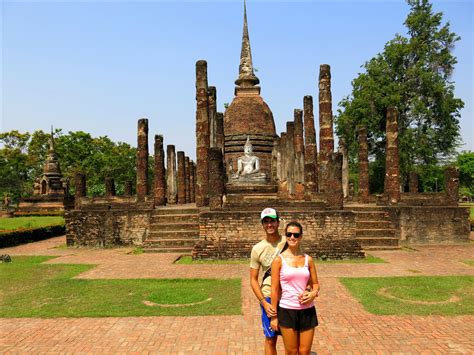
column 292, row 273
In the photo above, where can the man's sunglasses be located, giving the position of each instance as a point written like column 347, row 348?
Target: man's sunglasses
column 296, row 235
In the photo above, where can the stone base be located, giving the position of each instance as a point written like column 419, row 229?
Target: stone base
column 44, row 205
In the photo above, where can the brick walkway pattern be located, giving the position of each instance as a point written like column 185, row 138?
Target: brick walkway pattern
column 345, row 327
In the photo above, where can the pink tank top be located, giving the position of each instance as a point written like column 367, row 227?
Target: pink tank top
column 293, row 281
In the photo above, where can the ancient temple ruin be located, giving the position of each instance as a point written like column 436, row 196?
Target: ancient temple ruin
column 210, row 208
column 50, row 189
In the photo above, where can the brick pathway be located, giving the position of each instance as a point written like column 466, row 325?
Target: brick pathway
column 345, row 327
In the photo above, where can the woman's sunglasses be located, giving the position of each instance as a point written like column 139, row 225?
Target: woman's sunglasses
column 296, row 235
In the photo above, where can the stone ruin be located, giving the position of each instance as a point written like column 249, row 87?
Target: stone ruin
column 50, row 189
column 210, row 207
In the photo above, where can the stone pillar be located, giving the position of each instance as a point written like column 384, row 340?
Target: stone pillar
column 212, row 97
column 142, row 159
column 363, row 165
column 159, row 180
column 216, row 178
column 187, row 169
column 290, row 157
column 334, row 182
column 310, row 150
column 109, row 187
column 202, row 135
column 326, row 138
column 81, row 190
column 276, row 159
column 192, row 181
column 451, row 185
column 413, row 179
column 345, row 167
column 392, row 174
column 181, row 178
column 171, row 175
column 299, row 146
column 220, row 131
column 127, row 190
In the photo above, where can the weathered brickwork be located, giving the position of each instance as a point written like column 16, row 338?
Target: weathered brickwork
column 433, row 225
column 310, row 150
column 202, row 134
column 187, row 169
column 326, row 135
column 216, row 178
column 107, row 228
column 334, row 194
column 171, row 175
column 80, row 185
column 142, row 159
column 109, row 187
column 392, row 172
column 413, row 182
column 363, row 165
column 451, row 182
column 181, row 178
column 345, row 166
column 233, row 233
column 159, row 176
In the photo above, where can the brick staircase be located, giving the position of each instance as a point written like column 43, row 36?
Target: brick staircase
column 173, row 230
column 374, row 229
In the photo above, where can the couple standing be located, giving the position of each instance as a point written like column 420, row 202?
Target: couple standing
column 288, row 288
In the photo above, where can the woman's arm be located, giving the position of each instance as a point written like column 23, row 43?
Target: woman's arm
column 275, row 295
column 309, row 295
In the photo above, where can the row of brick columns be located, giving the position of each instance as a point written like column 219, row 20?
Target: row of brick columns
column 302, row 174
column 209, row 180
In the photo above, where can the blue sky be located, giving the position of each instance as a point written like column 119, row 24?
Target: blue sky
column 99, row 66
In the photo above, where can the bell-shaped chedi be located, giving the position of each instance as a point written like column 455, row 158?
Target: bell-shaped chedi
column 248, row 115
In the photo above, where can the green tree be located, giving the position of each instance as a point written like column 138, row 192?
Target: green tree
column 412, row 73
column 465, row 164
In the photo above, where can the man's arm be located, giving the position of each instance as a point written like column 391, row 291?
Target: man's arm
column 258, row 293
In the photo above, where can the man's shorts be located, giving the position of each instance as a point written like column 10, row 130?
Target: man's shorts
column 267, row 330
column 297, row 319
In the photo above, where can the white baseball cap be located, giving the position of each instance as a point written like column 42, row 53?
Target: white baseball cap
column 269, row 212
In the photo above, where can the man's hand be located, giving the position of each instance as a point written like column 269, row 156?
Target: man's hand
column 271, row 312
column 274, row 324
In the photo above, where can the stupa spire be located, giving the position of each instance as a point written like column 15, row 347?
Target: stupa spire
column 246, row 77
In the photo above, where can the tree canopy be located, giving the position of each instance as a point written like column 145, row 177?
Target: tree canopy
column 412, row 73
column 23, row 154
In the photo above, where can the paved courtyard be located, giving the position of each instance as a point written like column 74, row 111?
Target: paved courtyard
column 345, row 327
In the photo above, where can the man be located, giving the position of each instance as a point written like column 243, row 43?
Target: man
column 261, row 257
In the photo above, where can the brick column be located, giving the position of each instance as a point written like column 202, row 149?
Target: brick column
column 363, row 165
column 202, row 134
column 334, row 182
column 326, row 137
column 80, row 186
column 311, row 150
column 187, row 169
column 192, row 181
column 451, row 185
column 392, row 174
column 413, row 182
column 212, row 97
column 299, row 146
column 109, row 187
column 216, row 178
column 220, row 131
column 181, row 178
column 282, row 172
column 142, row 159
column 345, row 167
column 159, row 180
column 171, row 175
column 275, row 159
column 127, row 190
column 290, row 157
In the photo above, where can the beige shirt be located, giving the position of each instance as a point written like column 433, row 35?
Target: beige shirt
column 262, row 256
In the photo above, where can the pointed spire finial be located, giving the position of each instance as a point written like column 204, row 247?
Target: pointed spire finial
column 246, row 77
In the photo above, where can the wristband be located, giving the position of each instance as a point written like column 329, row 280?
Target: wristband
column 261, row 299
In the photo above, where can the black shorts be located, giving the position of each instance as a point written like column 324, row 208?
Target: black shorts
column 297, row 319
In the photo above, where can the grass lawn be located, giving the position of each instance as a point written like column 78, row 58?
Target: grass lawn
column 415, row 295
column 31, row 289
column 8, row 224
column 187, row 260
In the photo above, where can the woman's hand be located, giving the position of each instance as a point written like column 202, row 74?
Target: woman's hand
column 274, row 324
column 308, row 296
